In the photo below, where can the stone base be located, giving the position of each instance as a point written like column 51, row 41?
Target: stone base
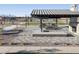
column 77, row 30
column 70, row 29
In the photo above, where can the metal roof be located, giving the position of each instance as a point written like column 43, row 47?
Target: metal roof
column 50, row 12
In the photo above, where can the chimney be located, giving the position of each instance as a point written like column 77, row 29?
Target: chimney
column 74, row 8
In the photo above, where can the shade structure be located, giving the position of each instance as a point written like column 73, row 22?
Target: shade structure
column 53, row 13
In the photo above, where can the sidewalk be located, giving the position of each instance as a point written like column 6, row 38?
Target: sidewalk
column 41, row 49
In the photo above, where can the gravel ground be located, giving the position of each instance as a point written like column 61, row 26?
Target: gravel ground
column 39, row 44
column 26, row 37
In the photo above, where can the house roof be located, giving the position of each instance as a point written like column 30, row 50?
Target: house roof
column 52, row 13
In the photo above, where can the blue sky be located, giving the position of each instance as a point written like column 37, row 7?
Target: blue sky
column 25, row 9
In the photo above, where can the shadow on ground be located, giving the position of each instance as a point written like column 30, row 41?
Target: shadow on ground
column 41, row 51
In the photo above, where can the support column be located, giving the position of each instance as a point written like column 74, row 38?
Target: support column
column 28, row 21
column 73, row 25
column 56, row 21
column 67, row 21
column 41, row 24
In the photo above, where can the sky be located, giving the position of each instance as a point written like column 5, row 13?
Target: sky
column 25, row 9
